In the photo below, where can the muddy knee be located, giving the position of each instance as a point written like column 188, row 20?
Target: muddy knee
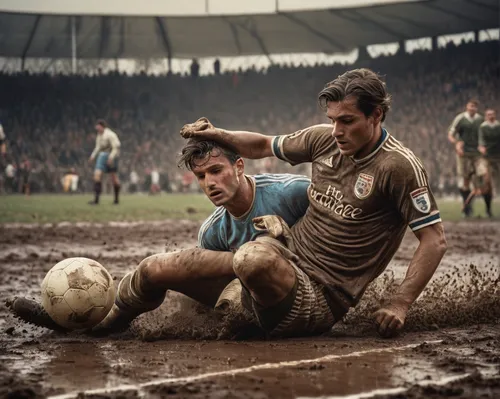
column 97, row 175
column 254, row 262
column 148, row 274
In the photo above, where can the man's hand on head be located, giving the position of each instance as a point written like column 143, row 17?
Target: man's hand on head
column 193, row 129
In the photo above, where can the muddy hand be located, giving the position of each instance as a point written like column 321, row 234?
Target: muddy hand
column 195, row 129
column 390, row 319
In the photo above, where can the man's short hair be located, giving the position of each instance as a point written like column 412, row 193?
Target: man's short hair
column 102, row 122
column 195, row 153
column 474, row 101
column 365, row 85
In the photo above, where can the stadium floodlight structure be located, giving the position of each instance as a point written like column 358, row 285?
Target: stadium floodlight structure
column 115, row 29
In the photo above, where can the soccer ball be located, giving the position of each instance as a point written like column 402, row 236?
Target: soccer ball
column 77, row 293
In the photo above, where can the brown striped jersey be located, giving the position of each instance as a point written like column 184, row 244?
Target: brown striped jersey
column 359, row 208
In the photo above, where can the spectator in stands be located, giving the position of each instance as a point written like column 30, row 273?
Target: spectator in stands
column 195, row 68
column 430, row 88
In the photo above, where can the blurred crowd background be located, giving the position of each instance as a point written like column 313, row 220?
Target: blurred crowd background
column 49, row 120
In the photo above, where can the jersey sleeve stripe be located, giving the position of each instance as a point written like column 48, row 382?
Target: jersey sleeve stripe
column 425, row 217
column 209, row 223
column 286, row 184
column 424, row 222
column 279, row 178
column 453, row 127
column 411, row 155
column 411, row 158
column 408, row 151
column 416, row 169
column 277, row 148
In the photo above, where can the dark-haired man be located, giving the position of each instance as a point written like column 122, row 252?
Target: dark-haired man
column 366, row 189
column 202, row 273
column 105, row 155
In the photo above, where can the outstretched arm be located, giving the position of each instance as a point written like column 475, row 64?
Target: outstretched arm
column 432, row 247
column 248, row 144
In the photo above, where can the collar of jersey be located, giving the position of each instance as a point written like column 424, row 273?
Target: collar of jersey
column 252, row 182
column 383, row 138
column 471, row 118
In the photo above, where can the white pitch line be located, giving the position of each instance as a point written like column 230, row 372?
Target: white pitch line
column 392, row 391
column 264, row 366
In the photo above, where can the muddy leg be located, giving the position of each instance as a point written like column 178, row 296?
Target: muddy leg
column 198, row 273
column 264, row 272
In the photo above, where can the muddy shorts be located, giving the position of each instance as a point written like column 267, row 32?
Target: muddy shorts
column 493, row 167
column 469, row 167
column 101, row 163
column 304, row 311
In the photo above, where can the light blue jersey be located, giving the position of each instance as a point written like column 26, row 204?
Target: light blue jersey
column 284, row 195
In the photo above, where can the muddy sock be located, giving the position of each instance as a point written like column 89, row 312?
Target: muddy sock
column 117, row 192
column 97, row 189
column 487, row 200
column 136, row 295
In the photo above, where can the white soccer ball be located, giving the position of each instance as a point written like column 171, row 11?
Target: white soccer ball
column 78, row 293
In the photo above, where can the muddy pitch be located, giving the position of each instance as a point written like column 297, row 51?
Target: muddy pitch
column 450, row 348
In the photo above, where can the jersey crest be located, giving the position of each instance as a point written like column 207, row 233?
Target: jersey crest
column 363, row 186
column 420, row 199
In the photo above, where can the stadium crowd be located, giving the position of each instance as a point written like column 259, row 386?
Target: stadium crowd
column 49, row 120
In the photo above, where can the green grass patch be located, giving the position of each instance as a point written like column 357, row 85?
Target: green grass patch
column 451, row 210
column 75, row 208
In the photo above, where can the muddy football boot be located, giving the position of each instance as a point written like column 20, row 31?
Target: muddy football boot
column 32, row 312
column 116, row 321
column 128, row 305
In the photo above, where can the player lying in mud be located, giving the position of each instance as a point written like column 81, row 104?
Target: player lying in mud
column 366, row 189
column 205, row 272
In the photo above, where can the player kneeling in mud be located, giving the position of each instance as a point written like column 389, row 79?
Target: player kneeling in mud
column 206, row 273
column 367, row 189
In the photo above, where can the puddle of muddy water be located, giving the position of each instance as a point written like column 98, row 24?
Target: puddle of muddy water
column 286, row 369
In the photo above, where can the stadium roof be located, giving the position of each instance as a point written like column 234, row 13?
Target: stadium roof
column 329, row 31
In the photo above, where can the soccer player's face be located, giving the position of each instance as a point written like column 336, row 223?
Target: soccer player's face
column 99, row 128
column 490, row 115
column 218, row 179
column 352, row 130
column 471, row 109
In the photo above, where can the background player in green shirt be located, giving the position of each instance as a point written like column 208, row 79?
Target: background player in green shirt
column 489, row 147
column 463, row 132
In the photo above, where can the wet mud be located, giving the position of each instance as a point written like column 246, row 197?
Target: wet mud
column 450, row 346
